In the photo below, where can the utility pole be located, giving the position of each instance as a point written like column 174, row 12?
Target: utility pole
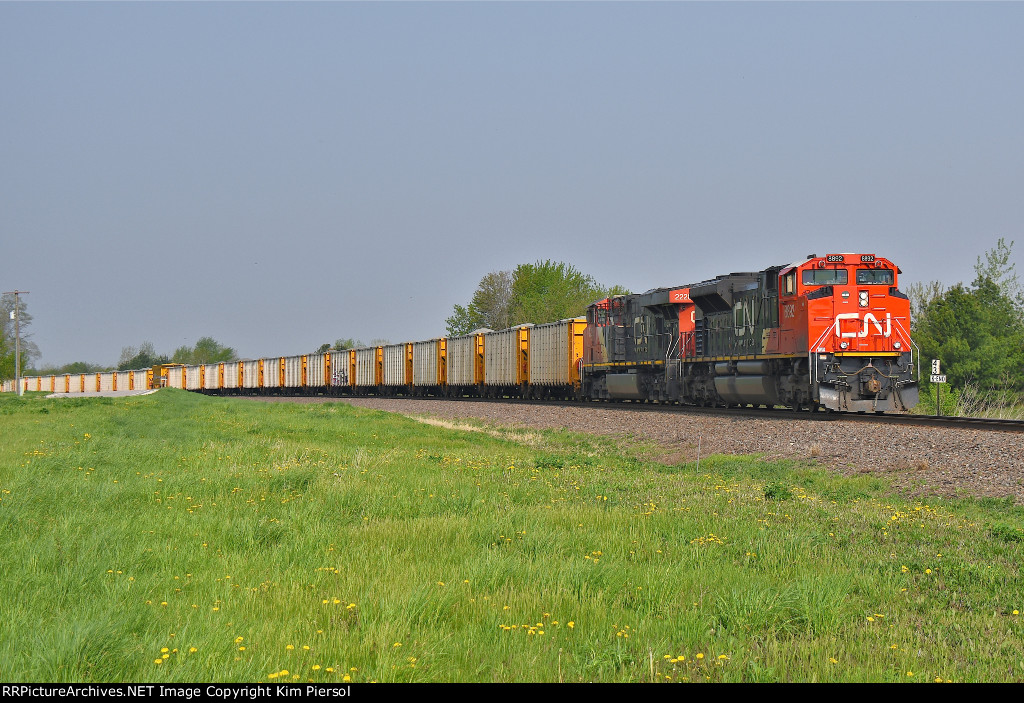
column 16, row 316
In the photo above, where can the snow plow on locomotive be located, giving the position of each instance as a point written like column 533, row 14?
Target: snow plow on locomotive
column 829, row 332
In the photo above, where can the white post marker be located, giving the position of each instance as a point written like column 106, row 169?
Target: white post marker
column 937, row 378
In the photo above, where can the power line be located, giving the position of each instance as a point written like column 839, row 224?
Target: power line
column 16, row 316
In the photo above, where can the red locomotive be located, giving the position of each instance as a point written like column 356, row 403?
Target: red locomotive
column 831, row 331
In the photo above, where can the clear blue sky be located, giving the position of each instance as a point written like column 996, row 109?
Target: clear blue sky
column 279, row 175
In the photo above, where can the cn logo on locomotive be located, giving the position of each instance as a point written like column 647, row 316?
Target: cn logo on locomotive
column 869, row 319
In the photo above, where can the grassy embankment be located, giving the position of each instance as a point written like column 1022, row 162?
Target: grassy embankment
column 174, row 537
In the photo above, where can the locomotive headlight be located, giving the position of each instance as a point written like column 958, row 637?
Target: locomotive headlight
column 863, row 298
column 897, row 345
column 844, row 345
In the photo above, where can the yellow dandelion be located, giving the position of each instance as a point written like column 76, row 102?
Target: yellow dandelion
column 289, row 646
column 158, row 661
column 700, row 655
column 316, row 667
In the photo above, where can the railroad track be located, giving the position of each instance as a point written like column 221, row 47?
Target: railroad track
column 979, row 423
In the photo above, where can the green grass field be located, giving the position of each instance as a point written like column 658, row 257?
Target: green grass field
column 175, row 537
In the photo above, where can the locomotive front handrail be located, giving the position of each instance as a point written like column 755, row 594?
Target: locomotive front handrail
column 906, row 335
column 811, row 351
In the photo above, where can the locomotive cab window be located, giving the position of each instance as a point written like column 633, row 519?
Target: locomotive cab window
column 789, row 284
column 881, row 277
column 825, row 277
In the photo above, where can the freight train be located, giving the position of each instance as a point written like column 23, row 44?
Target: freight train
column 829, row 332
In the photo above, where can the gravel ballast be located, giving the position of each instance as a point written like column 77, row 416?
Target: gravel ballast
column 950, row 462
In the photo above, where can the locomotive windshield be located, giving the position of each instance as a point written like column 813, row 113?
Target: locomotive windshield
column 825, row 277
column 874, row 276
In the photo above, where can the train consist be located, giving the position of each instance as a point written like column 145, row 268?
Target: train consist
column 830, row 332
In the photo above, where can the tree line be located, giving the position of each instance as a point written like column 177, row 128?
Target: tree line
column 976, row 330
column 206, row 350
column 545, row 291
